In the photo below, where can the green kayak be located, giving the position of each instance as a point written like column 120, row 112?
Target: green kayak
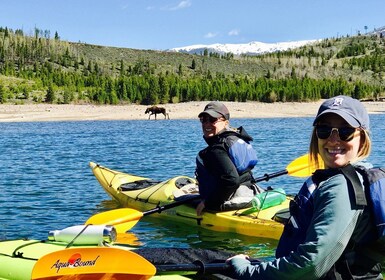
column 82, row 256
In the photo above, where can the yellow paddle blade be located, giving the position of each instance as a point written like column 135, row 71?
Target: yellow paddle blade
column 303, row 166
column 93, row 263
column 116, row 217
column 125, row 226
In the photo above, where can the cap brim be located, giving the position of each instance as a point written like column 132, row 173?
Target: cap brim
column 212, row 113
column 346, row 116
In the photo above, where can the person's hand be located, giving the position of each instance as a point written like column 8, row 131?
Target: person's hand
column 200, row 208
column 243, row 256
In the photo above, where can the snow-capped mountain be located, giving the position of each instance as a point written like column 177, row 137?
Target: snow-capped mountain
column 378, row 31
column 252, row 48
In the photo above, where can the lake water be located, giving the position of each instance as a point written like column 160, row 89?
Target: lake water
column 46, row 182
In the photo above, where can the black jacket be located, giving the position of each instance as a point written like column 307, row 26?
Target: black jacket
column 220, row 178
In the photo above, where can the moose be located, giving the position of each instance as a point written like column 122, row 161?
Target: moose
column 154, row 110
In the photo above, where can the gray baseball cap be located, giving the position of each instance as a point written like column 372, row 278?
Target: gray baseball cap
column 217, row 110
column 348, row 108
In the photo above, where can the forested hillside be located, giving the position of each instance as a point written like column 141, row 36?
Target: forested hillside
column 38, row 68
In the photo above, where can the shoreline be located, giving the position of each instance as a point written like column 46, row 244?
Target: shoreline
column 188, row 110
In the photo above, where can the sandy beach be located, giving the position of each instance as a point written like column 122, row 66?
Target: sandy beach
column 189, row 110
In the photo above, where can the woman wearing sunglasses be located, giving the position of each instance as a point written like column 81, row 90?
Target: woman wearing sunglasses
column 327, row 233
column 224, row 167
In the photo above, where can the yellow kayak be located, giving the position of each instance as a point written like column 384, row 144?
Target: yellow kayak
column 143, row 194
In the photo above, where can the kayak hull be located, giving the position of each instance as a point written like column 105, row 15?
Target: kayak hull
column 258, row 224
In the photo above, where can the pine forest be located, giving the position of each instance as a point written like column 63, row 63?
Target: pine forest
column 38, row 67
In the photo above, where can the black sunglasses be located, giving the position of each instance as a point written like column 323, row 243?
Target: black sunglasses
column 209, row 119
column 345, row 133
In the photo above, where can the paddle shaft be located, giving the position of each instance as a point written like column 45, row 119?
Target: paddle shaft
column 267, row 177
column 196, row 266
column 159, row 209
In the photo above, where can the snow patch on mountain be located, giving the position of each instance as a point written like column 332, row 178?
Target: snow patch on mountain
column 378, row 31
column 252, row 48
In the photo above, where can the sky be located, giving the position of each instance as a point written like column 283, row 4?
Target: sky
column 166, row 24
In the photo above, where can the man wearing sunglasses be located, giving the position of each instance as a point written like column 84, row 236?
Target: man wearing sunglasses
column 330, row 229
column 224, row 167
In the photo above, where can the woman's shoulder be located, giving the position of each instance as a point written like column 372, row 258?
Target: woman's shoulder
column 363, row 164
column 330, row 179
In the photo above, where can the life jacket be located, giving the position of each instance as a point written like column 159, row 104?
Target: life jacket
column 373, row 196
column 242, row 154
column 301, row 213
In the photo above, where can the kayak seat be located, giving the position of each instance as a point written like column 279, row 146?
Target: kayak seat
column 138, row 185
column 181, row 182
column 186, row 189
column 282, row 216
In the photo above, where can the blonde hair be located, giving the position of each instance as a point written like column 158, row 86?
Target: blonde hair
column 363, row 152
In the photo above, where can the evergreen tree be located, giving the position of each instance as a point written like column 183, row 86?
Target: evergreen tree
column 3, row 94
column 50, row 95
column 164, row 90
column 121, row 71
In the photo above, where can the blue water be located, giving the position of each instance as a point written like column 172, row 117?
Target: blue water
column 46, row 182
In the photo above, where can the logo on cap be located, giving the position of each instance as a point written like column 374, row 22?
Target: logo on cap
column 337, row 102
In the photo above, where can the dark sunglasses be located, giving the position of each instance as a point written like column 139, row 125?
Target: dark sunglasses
column 209, row 119
column 345, row 133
